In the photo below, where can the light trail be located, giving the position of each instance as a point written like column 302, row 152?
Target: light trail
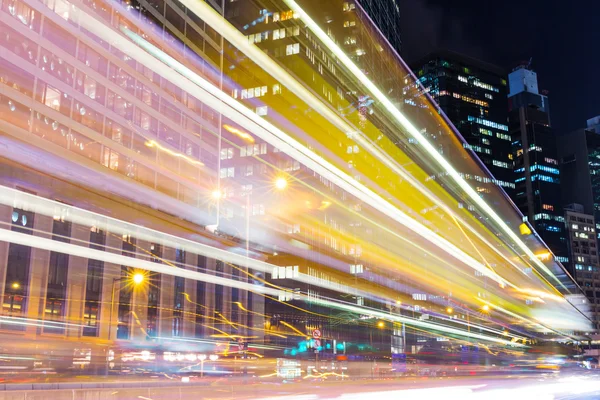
column 118, row 259
column 284, row 142
column 317, row 160
column 260, row 58
column 401, row 118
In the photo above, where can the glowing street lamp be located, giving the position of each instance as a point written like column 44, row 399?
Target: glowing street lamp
column 15, row 285
column 138, row 278
column 381, row 324
column 485, row 308
column 449, row 310
column 213, row 357
column 216, row 194
column 281, row 183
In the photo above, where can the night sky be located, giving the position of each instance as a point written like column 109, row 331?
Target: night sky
column 562, row 38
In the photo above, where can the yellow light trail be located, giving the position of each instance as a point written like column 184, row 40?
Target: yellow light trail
column 154, row 143
column 284, row 142
column 241, row 42
column 415, row 133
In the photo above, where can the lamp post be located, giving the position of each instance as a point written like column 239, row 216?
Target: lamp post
column 137, row 279
column 202, row 358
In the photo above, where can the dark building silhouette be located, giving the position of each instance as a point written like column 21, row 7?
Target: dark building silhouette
column 537, row 171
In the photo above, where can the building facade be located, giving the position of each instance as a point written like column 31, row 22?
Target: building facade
column 536, row 161
column 472, row 94
column 583, row 250
column 173, row 188
column 386, row 16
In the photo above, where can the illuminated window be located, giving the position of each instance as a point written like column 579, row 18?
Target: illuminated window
column 287, row 272
column 356, row 269
column 292, row 49
column 348, row 6
column 548, row 207
column 500, row 164
column 262, row 110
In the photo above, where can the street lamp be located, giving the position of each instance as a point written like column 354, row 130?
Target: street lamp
column 15, row 285
column 202, row 358
column 449, row 310
column 281, row 183
column 137, row 279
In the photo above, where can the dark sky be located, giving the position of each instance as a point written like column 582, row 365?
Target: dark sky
column 562, row 37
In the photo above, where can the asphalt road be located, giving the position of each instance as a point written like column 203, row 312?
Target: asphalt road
column 551, row 386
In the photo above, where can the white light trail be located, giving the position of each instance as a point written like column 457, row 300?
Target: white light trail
column 230, row 108
column 119, row 259
column 268, row 132
column 401, row 118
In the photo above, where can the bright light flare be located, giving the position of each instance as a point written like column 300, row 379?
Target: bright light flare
column 138, row 278
column 239, row 133
column 281, row 183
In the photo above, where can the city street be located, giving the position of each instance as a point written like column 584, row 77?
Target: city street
column 514, row 387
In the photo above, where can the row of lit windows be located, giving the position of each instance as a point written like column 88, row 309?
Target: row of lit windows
column 469, row 99
column 502, row 164
column 544, row 178
column 488, row 123
column 287, row 272
column 253, row 150
column 478, row 83
column 348, row 6
column 258, row 91
column 478, row 178
column 283, row 32
column 544, row 168
column 549, row 217
column 477, row 149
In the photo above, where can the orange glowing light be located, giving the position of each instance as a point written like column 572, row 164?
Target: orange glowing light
column 241, row 134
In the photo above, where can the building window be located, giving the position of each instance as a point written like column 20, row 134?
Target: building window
column 356, row 269
column 291, row 49
column 179, row 288
column 288, row 272
column 262, row 111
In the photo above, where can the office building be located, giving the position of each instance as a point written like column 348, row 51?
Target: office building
column 583, row 251
column 536, row 161
column 472, row 94
column 386, row 16
column 579, row 153
column 172, row 188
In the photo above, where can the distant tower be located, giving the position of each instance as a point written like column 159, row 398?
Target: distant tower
column 537, row 171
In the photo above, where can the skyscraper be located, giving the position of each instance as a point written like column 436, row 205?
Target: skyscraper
column 535, row 153
column 579, row 153
column 386, row 15
column 472, row 94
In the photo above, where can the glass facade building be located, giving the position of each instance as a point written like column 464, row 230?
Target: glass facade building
column 536, row 170
column 472, row 95
column 386, row 16
column 230, row 178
